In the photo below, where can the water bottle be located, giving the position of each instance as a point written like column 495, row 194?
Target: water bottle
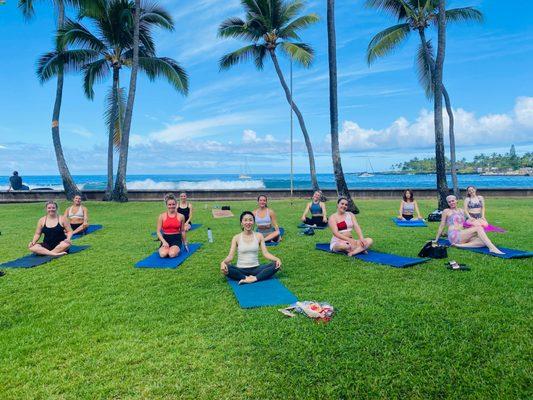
column 209, row 235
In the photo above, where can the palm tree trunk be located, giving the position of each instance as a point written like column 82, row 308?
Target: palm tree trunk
column 342, row 187
column 310, row 153
column 120, row 193
column 110, row 140
column 69, row 186
column 449, row 111
column 442, row 185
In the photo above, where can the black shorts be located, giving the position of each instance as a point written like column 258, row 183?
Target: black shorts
column 172, row 240
column 76, row 226
column 408, row 217
column 50, row 246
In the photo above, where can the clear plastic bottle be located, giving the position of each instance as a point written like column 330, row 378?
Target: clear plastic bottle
column 209, row 235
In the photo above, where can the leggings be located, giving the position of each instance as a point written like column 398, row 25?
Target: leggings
column 261, row 272
column 318, row 221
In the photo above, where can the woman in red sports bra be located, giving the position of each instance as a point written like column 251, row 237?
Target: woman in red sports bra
column 341, row 224
column 170, row 229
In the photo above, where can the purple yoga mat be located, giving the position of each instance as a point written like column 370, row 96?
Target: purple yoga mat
column 488, row 228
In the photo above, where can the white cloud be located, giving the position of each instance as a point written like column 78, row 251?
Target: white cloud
column 470, row 130
column 249, row 136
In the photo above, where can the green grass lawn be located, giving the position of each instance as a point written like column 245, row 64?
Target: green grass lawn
column 90, row 326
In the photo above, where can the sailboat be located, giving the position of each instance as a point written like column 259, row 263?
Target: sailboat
column 366, row 174
column 245, row 171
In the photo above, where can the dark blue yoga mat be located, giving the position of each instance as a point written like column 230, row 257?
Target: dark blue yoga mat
column 271, row 243
column 264, row 293
column 410, row 224
column 304, row 226
column 155, row 261
column 380, row 258
column 90, row 229
column 193, row 227
column 32, row 260
column 509, row 253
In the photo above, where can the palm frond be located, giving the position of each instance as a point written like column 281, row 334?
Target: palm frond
column 243, row 54
column 236, row 28
column 96, row 71
column 424, row 68
column 26, row 7
column 291, row 10
column 386, row 41
column 74, row 33
column 153, row 15
column 300, row 52
column 115, row 106
column 393, row 7
column 465, row 14
column 289, row 31
column 166, row 67
column 49, row 64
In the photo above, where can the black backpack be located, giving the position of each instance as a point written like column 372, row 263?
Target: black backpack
column 433, row 250
column 309, row 231
column 435, row 216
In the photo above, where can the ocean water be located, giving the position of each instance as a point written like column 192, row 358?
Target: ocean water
column 272, row 181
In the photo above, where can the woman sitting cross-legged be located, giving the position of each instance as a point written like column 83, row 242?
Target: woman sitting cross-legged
column 460, row 236
column 408, row 206
column 185, row 209
column 341, row 224
column 317, row 209
column 247, row 243
column 266, row 220
column 474, row 206
column 57, row 233
column 171, row 229
column 77, row 215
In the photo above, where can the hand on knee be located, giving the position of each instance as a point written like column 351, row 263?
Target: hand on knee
column 369, row 242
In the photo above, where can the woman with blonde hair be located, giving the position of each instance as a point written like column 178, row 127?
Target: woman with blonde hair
column 171, row 229
column 56, row 231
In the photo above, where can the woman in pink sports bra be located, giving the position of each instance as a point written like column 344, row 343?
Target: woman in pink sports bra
column 341, row 224
column 459, row 236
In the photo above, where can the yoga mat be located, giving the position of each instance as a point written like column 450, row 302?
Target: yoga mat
column 380, row 258
column 90, row 229
column 263, row 293
column 304, row 226
column 509, row 253
column 33, row 260
column 193, row 227
column 271, row 243
column 221, row 213
column 155, row 261
column 410, row 224
column 488, row 228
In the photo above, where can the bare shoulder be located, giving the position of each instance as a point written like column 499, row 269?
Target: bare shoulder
column 259, row 237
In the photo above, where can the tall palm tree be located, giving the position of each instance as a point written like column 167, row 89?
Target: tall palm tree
column 110, row 49
column 418, row 15
column 120, row 192
column 342, row 187
column 27, row 8
column 269, row 25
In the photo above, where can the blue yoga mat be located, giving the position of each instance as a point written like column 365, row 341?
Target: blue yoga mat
column 90, row 229
column 304, row 226
column 32, row 260
column 410, row 224
column 264, row 293
column 155, row 261
column 509, row 253
column 271, row 243
column 193, row 227
column 380, row 258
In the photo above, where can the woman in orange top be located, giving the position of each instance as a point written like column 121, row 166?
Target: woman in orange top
column 171, row 229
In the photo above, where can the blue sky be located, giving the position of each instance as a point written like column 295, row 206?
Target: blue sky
column 242, row 113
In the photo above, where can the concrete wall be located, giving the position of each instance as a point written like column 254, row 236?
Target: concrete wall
column 217, row 195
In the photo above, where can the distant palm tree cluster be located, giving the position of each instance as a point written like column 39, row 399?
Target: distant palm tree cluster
column 120, row 36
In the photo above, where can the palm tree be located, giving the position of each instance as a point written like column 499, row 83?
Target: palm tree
column 417, row 15
column 342, row 187
column 69, row 186
column 269, row 25
column 120, row 191
column 110, row 49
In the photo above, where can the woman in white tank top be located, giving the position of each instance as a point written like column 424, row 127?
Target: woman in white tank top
column 247, row 243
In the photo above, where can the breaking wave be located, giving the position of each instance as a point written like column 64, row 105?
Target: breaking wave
column 214, row 184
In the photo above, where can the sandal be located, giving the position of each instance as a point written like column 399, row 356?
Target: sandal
column 455, row 266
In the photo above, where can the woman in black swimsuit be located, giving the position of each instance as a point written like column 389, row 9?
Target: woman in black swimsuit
column 185, row 209
column 57, row 233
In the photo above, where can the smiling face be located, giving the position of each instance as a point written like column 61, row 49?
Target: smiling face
column 471, row 190
column 51, row 209
column 452, row 202
column 171, row 205
column 77, row 200
column 262, row 201
column 342, row 206
column 183, row 197
column 316, row 197
column 247, row 222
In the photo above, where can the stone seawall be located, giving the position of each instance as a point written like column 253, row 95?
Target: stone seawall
column 219, row 195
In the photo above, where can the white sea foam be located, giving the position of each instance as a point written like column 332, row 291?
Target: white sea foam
column 214, row 184
column 53, row 187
